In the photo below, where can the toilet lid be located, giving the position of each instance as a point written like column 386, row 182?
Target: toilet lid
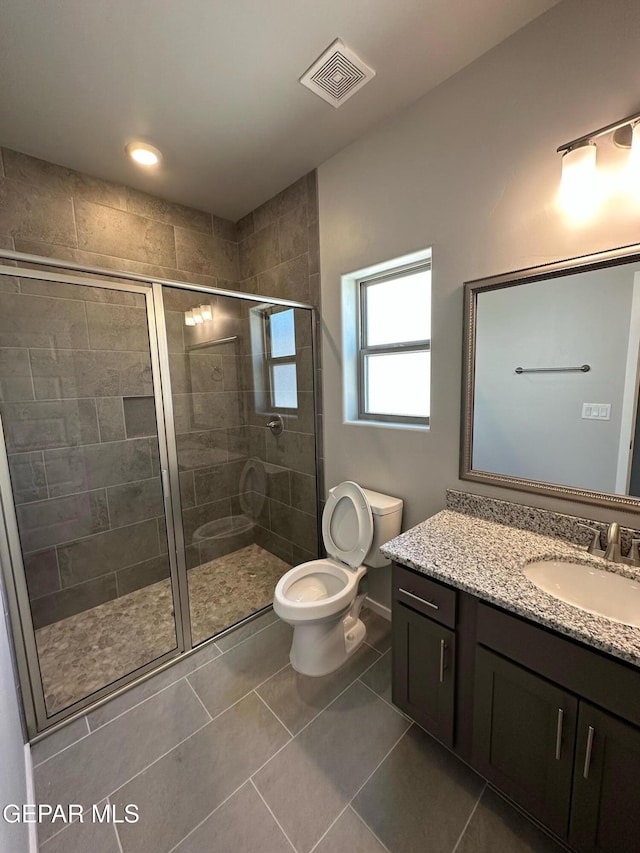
column 253, row 487
column 347, row 524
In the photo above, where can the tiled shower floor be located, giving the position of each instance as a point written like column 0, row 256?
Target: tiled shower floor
column 80, row 654
column 231, row 751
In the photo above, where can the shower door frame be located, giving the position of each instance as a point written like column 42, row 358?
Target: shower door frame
column 23, row 633
column 38, row 723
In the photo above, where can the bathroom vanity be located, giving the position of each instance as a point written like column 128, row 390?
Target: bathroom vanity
column 540, row 697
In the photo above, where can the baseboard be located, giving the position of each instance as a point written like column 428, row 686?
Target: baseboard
column 31, row 797
column 378, row 608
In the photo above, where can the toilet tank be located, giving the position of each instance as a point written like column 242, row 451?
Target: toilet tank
column 387, row 518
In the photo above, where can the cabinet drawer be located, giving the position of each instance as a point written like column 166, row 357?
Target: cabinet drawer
column 427, row 596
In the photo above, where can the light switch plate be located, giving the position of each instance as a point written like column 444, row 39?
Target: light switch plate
column 596, row 411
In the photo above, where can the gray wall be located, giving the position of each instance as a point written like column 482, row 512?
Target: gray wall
column 471, row 169
column 531, row 425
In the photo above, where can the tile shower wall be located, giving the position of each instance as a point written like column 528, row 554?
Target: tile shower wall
column 53, row 211
column 279, row 257
column 102, row 488
column 56, row 212
column 209, row 421
column 75, row 376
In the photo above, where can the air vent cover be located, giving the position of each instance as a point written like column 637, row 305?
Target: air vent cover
column 337, row 74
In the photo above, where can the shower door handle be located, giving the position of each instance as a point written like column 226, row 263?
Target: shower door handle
column 164, row 474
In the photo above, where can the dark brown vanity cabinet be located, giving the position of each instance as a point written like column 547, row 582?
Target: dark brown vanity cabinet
column 524, row 733
column 605, row 809
column 424, row 653
column 551, row 723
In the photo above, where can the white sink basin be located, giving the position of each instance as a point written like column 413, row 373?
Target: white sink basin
column 594, row 590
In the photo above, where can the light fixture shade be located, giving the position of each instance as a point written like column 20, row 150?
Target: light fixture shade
column 634, row 156
column 189, row 319
column 206, row 311
column 197, row 316
column 578, row 189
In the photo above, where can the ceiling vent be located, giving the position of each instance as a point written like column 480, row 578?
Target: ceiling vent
column 337, row 74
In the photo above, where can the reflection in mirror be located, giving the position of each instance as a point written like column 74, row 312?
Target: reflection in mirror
column 556, row 377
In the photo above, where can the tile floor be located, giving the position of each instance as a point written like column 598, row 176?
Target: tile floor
column 81, row 654
column 230, row 751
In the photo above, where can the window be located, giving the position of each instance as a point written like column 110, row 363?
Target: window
column 394, row 345
column 280, row 339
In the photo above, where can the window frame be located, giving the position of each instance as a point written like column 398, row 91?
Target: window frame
column 270, row 361
column 364, row 350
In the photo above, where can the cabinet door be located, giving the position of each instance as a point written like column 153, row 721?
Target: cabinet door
column 524, row 733
column 605, row 814
column 423, row 671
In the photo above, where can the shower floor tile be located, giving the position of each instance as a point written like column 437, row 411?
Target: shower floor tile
column 85, row 652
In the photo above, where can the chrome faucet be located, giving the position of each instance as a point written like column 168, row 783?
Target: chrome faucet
column 612, row 551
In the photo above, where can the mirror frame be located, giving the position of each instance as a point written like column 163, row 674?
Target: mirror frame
column 586, row 263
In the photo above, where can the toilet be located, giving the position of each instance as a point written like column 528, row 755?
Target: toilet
column 322, row 599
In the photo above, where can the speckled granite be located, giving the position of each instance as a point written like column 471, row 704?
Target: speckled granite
column 486, row 559
column 83, row 653
column 531, row 518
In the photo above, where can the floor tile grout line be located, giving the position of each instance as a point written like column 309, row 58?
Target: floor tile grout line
column 137, row 705
column 42, row 844
column 347, row 804
column 271, row 711
column 184, row 740
column 161, row 690
column 379, row 764
column 466, row 826
column 64, row 749
column 364, row 823
column 382, row 699
column 212, row 812
column 115, row 829
column 279, row 825
column 155, row 760
column 246, row 639
column 306, row 725
column 330, row 827
column 193, row 689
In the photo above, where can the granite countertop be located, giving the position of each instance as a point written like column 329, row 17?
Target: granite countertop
column 487, row 559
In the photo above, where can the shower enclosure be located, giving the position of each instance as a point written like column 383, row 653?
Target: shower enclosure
column 157, row 471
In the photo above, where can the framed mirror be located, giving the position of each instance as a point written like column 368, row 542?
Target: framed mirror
column 551, row 379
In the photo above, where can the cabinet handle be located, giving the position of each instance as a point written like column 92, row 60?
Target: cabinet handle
column 443, row 648
column 587, row 757
column 559, row 733
column 417, row 598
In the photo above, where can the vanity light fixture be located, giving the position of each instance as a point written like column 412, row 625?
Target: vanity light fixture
column 198, row 315
column 143, row 154
column 579, row 191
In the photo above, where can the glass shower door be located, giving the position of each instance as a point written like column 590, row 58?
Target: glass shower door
column 247, row 490
column 78, row 402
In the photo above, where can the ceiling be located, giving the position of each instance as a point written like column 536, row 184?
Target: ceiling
column 214, row 83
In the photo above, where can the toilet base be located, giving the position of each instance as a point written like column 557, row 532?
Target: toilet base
column 321, row 648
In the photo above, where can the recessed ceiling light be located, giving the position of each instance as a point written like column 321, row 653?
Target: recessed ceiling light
column 143, row 153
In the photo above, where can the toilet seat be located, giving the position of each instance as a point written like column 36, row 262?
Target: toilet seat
column 253, row 488
column 347, row 524
column 306, row 592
